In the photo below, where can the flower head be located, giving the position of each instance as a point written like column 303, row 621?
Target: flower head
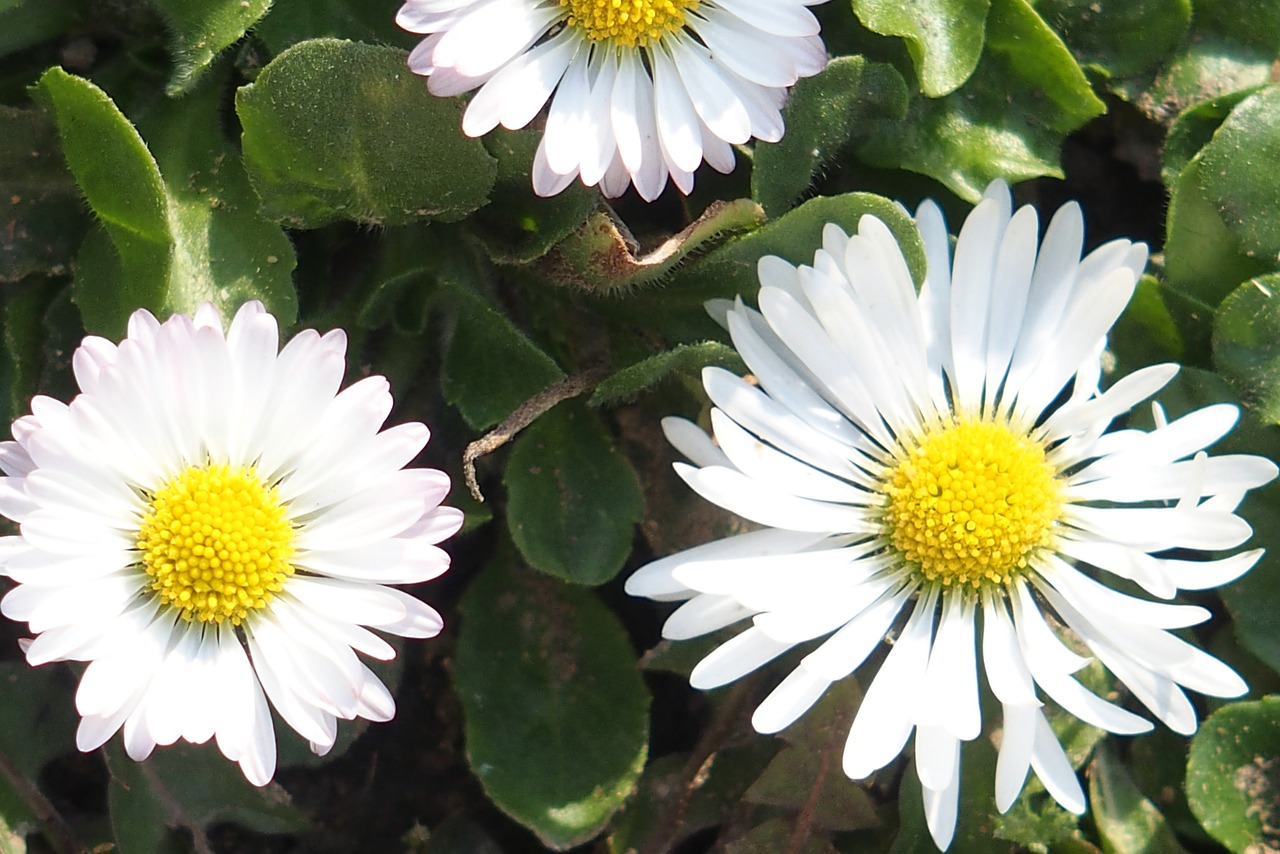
column 211, row 524
column 640, row 89
column 947, row 455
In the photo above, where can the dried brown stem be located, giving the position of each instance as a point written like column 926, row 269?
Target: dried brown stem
column 804, row 819
column 524, row 415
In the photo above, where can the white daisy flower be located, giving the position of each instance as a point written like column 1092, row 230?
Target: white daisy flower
column 945, row 454
column 640, row 89
column 211, row 524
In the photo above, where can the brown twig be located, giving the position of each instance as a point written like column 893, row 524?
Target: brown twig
column 524, row 415
column 804, row 819
column 55, row 828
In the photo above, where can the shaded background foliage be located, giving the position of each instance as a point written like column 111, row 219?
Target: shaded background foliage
column 163, row 153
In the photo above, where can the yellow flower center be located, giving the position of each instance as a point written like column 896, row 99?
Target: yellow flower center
column 216, row 543
column 628, row 23
column 971, row 503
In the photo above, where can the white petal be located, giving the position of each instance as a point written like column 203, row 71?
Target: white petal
column 1016, row 743
column 755, row 501
column 1054, row 769
column 794, row 696
column 736, row 658
column 883, row 723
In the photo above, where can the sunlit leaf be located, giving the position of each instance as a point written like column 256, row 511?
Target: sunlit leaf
column 121, row 183
column 944, row 37
column 201, row 30
column 1233, row 775
column 1246, row 343
column 1007, row 121
column 342, row 130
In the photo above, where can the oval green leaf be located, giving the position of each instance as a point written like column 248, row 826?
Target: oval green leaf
column 573, row 499
column 556, row 712
column 1246, row 343
column 1233, row 775
column 128, row 266
column 339, row 130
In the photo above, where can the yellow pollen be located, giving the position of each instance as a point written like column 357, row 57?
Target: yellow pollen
column 971, row 503
column 628, row 23
column 216, row 543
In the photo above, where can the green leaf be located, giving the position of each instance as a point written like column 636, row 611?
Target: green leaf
column 573, row 499
column 1122, row 39
column 600, row 256
column 1233, row 775
column 1127, row 821
column 340, row 130
column 42, row 221
column 944, row 37
column 1007, row 121
column 490, row 367
column 1146, row 333
column 201, row 30
column 518, row 226
column 1193, row 129
column 1213, row 242
column 188, row 787
column 1254, row 600
column 224, row 252
column 1158, row 763
column 823, row 113
column 1203, row 258
column 1246, row 344
column 687, row 359
column 121, row 183
column 556, row 712
column 1248, row 23
column 1237, row 172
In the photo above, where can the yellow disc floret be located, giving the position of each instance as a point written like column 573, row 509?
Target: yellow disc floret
column 216, row 543
column 970, row 503
column 628, row 23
